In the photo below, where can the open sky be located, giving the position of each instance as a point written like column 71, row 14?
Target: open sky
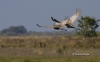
column 30, row 12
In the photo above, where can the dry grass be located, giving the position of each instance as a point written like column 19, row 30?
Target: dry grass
column 48, row 49
column 48, row 42
column 48, row 46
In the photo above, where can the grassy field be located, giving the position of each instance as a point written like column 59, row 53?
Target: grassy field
column 51, row 59
column 49, row 49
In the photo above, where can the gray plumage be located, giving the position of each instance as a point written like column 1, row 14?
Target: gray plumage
column 67, row 22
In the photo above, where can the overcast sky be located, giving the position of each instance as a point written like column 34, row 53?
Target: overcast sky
column 30, row 12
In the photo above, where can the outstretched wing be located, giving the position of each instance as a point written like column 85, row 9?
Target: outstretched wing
column 72, row 19
column 75, row 16
column 45, row 26
column 38, row 25
column 55, row 20
column 50, row 27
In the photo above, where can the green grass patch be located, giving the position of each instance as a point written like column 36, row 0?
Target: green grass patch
column 51, row 59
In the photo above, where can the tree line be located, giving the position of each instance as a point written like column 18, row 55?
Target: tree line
column 87, row 25
column 13, row 31
column 22, row 31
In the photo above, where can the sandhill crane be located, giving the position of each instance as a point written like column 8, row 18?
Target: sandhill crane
column 67, row 22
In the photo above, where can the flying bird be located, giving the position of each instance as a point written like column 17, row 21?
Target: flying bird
column 67, row 22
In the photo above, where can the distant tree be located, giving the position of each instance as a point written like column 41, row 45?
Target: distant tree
column 14, row 30
column 88, row 26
